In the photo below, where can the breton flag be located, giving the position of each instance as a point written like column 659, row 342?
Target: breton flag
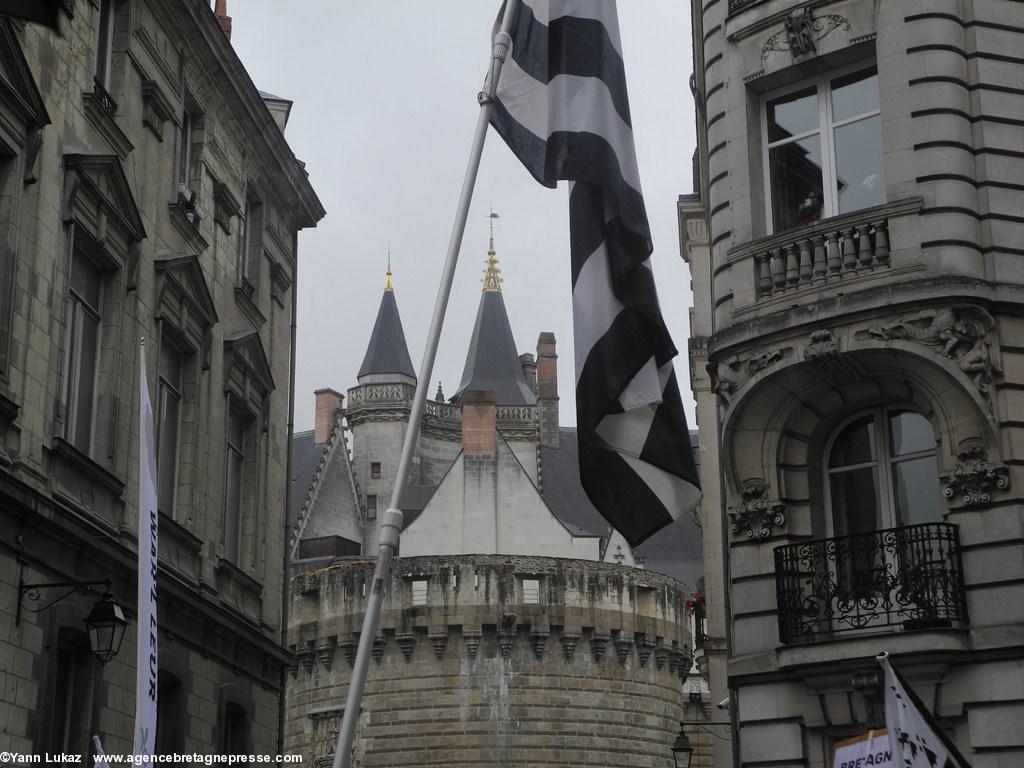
column 562, row 108
column 915, row 739
column 146, row 659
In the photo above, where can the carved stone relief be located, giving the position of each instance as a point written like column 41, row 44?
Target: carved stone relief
column 801, row 32
column 756, row 515
column 974, row 477
column 964, row 333
column 727, row 378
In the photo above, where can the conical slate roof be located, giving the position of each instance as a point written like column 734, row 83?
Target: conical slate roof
column 387, row 352
column 492, row 363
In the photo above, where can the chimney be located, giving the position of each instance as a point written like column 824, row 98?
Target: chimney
column 221, row 12
column 328, row 403
column 547, row 389
column 529, row 366
column 479, row 423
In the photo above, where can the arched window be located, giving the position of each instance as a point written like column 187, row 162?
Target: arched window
column 882, row 473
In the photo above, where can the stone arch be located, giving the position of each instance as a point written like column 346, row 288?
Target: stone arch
column 776, row 429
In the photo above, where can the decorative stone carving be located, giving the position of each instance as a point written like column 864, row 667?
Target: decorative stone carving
column 472, row 639
column 598, row 645
column 644, row 647
column 623, row 646
column 727, row 378
column 569, row 641
column 539, row 642
column 964, row 333
column 661, row 656
column 801, row 32
column 439, row 641
column 378, row 648
column 505, row 640
column 348, row 650
column 325, row 652
column 822, row 351
column 756, row 515
column 325, row 733
column 407, row 642
column 974, row 478
column 307, row 656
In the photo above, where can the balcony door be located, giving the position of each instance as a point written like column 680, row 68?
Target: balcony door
column 883, row 500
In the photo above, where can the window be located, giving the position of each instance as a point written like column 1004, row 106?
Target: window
column 234, row 738
column 81, row 354
column 531, row 591
column 419, row 592
column 823, row 142
column 251, row 241
column 70, row 723
column 169, row 388
column 238, row 427
column 371, row 507
column 883, row 473
column 170, row 715
column 104, row 42
column 185, row 150
column 375, row 470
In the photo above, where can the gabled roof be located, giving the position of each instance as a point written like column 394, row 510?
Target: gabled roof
column 387, row 351
column 492, row 363
column 16, row 83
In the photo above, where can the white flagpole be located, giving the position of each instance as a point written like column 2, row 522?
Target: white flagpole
column 144, row 742
column 391, row 527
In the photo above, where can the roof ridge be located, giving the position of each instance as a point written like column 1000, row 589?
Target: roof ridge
column 326, row 456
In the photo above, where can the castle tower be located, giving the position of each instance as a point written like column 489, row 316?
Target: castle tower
column 378, row 411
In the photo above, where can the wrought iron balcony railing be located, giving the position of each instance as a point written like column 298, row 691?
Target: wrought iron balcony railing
column 908, row 577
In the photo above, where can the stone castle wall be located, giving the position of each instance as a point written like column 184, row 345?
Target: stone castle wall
column 586, row 671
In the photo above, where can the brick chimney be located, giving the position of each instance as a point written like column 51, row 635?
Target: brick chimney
column 547, row 389
column 479, row 423
column 328, row 403
column 221, row 12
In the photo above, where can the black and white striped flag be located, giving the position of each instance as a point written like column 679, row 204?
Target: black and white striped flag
column 562, row 108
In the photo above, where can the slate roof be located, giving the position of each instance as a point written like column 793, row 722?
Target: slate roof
column 387, row 351
column 305, row 454
column 492, row 363
column 675, row 550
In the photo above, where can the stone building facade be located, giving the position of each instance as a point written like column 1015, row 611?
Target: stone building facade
column 148, row 192
column 855, row 245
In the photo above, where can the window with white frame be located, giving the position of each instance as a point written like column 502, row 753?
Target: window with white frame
column 81, row 353
column 823, row 148
column 170, row 374
column 883, row 472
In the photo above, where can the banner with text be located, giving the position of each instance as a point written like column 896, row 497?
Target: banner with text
column 146, row 660
column 869, row 750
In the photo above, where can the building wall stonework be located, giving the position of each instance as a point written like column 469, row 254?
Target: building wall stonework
column 587, row 670
column 909, row 304
column 95, row 176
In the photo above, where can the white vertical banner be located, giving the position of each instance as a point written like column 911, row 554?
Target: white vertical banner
column 916, row 739
column 146, row 660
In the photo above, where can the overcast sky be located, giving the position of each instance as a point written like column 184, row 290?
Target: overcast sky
column 385, row 106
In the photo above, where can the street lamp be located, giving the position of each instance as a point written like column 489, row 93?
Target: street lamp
column 105, row 623
column 681, row 750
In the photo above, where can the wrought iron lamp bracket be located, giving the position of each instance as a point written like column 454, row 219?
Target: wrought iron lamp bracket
column 31, row 593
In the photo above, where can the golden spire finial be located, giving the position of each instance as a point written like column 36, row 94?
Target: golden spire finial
column 387, row 279
column 492, row 275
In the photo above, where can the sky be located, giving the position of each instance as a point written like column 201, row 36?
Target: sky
column 384, row 109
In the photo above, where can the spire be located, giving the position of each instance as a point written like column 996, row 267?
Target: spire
column 388, row 286
column 492, row 362
column 492, row 275
column 387, row 352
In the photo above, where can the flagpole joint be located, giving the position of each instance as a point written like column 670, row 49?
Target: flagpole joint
column 502, row 42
